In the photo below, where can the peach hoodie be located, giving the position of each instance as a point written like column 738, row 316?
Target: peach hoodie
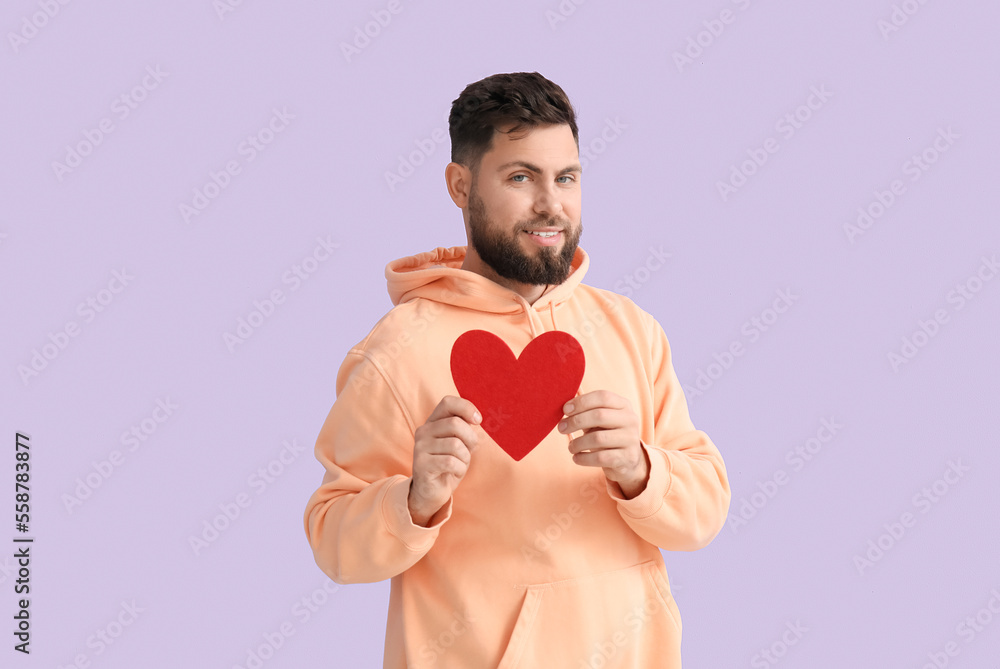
column 540, row 563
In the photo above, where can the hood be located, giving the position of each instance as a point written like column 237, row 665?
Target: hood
column 437, row 275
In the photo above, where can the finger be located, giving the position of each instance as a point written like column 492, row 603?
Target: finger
column 598, row 440
column 448, row 464
column 455, row 447
column 588, row 459
column 455, row 426
column 600, row 417
column 611, row 458
column 452, row 428
column 452, row 405
column 592, row 400
column 447, row 447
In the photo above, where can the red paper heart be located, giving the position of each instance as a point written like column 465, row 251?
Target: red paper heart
column 520, row 399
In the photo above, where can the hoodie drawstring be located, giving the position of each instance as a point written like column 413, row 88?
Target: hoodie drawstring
column 531, row 324
column 527, row 314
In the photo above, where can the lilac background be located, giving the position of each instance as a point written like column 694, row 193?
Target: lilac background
column 652, row 185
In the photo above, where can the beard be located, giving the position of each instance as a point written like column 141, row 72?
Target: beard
column 502, row 250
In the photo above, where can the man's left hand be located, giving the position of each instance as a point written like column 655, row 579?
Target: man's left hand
column 610, row 439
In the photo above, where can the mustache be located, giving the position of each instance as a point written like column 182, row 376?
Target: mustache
column 547, row 223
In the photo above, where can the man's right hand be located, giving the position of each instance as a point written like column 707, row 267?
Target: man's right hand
column 441, row 454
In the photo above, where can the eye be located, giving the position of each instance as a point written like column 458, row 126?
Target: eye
column 568, row 176
column 519, row 175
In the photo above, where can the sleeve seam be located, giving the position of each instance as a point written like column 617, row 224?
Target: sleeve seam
column 390, row 384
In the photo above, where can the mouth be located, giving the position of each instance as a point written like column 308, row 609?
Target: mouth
column 545, row 236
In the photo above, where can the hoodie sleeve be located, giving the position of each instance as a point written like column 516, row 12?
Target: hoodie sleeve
column 358, row 522
column 686, row 499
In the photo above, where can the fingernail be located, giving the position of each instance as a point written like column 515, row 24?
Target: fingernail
column 562, row 425
column 476, row 417
column 569, row 407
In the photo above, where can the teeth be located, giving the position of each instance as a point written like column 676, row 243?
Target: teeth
column 544, row 234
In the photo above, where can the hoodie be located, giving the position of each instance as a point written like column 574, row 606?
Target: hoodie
column 533, row 563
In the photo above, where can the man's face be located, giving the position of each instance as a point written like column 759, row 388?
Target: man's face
column 531, row 183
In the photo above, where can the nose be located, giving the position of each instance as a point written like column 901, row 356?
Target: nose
column 548, row 201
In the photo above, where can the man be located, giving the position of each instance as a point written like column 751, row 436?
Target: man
column 554, row 560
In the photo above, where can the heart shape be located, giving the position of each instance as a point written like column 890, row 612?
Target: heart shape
column 520, row 399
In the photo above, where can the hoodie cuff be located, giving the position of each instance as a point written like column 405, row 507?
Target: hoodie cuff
column 396, row 512
column 647, row 502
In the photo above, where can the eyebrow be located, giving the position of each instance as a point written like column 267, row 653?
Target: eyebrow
column 536, row 169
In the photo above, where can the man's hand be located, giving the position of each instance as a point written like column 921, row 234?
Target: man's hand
column 441, row 455
column 610, row 439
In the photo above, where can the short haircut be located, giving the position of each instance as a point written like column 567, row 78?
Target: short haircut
column 526, row 99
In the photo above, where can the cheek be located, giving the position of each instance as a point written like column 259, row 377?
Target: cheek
column 512, row 215
column 505, row 208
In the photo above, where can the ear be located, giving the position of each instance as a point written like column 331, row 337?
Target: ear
column 458, row 178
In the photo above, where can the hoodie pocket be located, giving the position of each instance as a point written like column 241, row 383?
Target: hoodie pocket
column 622, row 619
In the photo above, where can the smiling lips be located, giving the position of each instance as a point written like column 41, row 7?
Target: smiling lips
column 545, row 236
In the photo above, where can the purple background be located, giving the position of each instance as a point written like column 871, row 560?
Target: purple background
column 653, row 184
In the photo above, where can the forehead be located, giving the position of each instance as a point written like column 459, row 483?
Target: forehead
column 548, row 146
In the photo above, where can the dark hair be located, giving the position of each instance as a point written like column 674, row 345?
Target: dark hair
column 525, row 98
